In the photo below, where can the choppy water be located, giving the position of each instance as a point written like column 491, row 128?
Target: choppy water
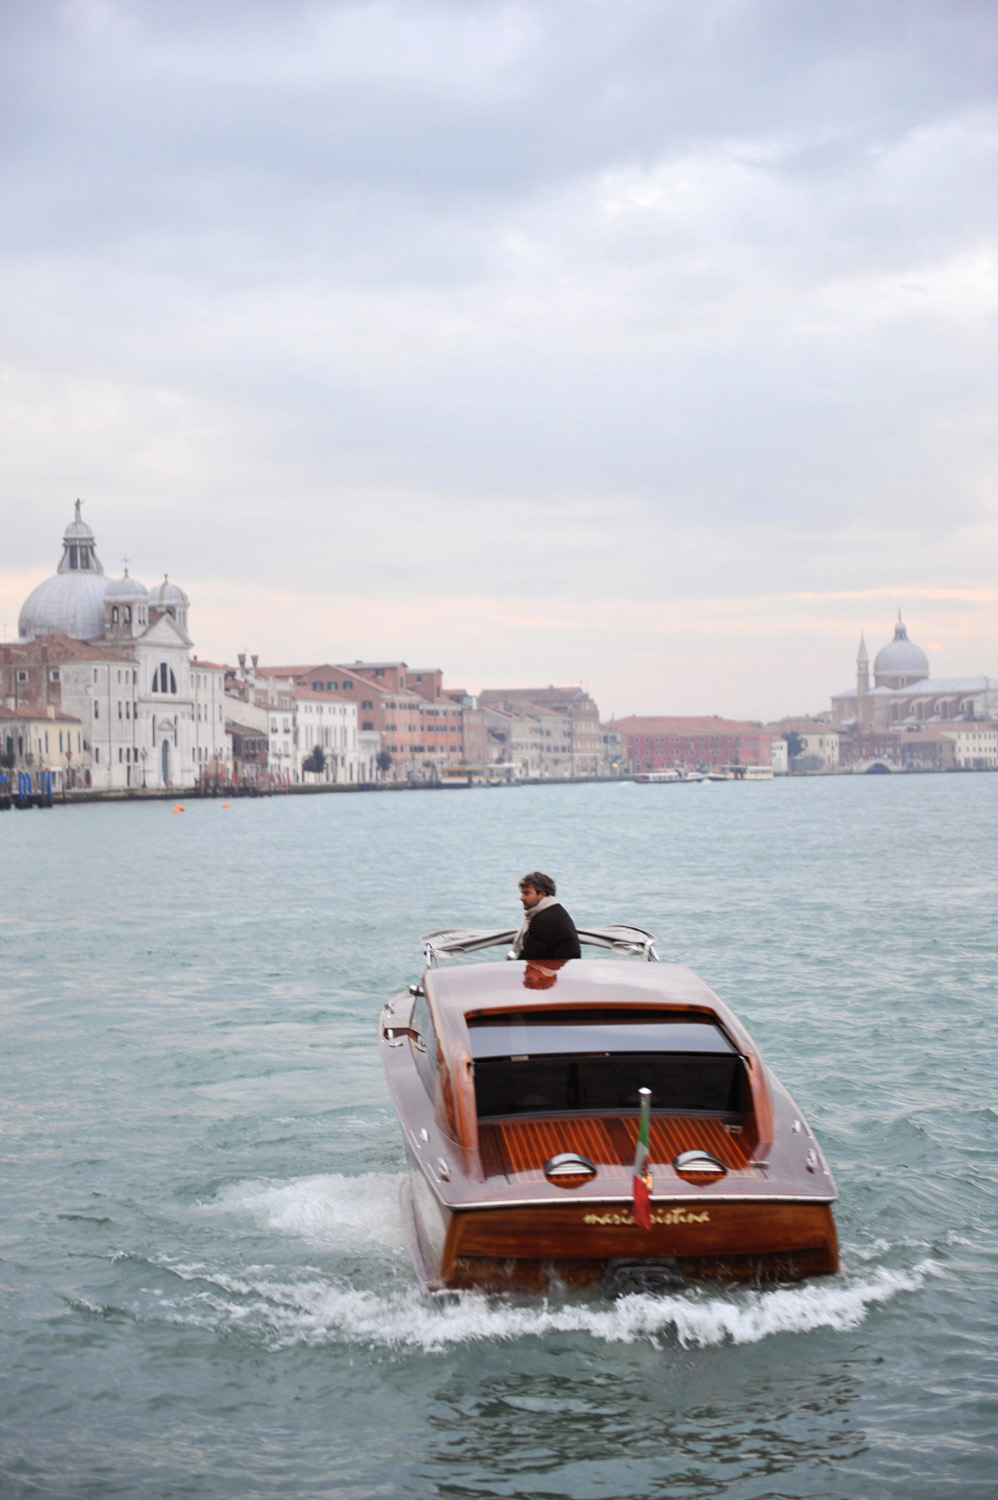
column 205, row 1290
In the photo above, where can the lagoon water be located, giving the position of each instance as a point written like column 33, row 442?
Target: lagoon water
column 205, row 1290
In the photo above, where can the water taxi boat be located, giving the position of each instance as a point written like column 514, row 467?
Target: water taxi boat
column 741, row 773
column 519, row 1087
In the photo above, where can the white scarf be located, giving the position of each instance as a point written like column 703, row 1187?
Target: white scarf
column 528, row 917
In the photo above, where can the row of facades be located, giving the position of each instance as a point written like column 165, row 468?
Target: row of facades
column 119, row 713
column 102, row 690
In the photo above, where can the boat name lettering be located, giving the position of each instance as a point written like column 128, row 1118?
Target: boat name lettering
column 659, row 1216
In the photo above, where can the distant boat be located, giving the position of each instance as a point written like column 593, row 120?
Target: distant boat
column 528, row 1094
column 740, row 773
column 659, row 776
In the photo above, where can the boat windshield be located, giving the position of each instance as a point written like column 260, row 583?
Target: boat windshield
column 571, row 1062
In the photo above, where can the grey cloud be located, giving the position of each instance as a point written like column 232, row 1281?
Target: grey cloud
column 314, row 284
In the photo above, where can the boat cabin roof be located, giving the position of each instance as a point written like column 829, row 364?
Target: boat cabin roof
column 477, row 989
column 468, row 1004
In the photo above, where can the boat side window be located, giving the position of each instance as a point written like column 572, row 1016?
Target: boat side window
column 423, row 1039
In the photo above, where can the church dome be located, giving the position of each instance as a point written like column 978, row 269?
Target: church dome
column 72, row 602
column 901, row 662
column 167, row 595
column 126, row 590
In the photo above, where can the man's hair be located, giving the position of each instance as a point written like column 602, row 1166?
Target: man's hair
column 540, row 882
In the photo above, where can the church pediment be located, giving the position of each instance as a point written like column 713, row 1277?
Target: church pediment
column 166, row 632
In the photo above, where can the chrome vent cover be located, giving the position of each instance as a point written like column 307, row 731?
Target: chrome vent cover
column 568, row 1169
column 699, row 1164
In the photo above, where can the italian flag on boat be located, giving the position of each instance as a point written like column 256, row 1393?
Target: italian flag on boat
column 642, row 1176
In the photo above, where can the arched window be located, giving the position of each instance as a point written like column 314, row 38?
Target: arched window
column 128, row 614
column 114, row 614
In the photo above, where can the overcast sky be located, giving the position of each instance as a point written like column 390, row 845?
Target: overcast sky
column 639, row 343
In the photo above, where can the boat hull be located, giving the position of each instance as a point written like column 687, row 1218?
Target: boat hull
column 526, row 1246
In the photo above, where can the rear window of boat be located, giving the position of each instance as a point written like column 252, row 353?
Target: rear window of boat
column 548, row 1064
column 575, row 1033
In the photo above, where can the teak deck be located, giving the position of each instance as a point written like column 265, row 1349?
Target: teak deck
column 518, row 1149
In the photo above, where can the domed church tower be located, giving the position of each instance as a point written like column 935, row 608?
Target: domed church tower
column 900, row 663
column 126, row 608
column 72, row 602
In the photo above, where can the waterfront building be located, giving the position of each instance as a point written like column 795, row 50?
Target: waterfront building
column 327, row 737
column 976, row 745
column 816, row 744
column 38, row 739
column 419, row 724
column 118, row 657
column 262, row 704
column 662, row 743
column 297, row 721
column 557, row 729
column 611, row 750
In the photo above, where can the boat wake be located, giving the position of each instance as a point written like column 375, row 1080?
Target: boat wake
column 284, row 1312
column 361, row 1214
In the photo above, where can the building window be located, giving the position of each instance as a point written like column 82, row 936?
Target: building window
column 22, row 676
column 96, row 709
column 54, row 675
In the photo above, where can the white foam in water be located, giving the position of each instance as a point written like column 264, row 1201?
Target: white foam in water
column 352, row 1213
column 334, row 1212
column 314, row 1312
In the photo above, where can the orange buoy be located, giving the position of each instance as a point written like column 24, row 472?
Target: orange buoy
column 178, row 808
column 226, row 804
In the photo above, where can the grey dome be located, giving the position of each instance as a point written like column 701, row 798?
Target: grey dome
column 126, row 590
column 167, row 595
column 902, row 659
column 71, row 603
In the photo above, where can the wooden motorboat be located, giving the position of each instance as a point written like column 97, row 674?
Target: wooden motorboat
column 518, row 1088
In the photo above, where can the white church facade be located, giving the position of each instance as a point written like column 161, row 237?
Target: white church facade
column 153, row 716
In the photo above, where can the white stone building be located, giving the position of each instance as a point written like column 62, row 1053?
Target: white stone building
column 976, row 746
column 327, row 723
column 153, row 715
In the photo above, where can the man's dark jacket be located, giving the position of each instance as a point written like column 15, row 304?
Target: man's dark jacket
column 551, row 934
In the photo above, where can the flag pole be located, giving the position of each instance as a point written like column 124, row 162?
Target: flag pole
column 642, row 1183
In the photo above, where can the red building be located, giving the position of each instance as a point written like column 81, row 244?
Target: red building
column 658, row 744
